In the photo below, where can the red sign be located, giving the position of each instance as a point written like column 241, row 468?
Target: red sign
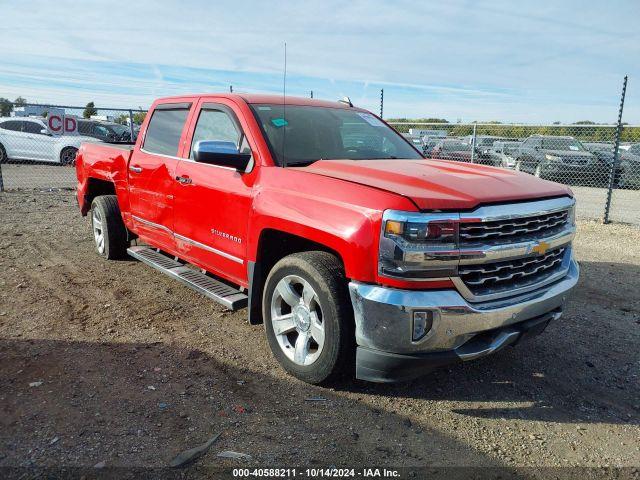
column 62, row 124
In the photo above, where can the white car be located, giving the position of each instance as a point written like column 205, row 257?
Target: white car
column 26, row 138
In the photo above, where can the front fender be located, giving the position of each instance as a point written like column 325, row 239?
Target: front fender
column 349, row 231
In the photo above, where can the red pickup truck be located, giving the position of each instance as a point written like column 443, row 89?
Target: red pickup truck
column 334, row 231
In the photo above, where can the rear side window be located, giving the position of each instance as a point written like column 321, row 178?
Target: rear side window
column 164, row 131
column 13, row 125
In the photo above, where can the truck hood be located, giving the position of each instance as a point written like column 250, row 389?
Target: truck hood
column 439, row 184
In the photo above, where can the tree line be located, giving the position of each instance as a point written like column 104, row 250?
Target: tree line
column 578, row 130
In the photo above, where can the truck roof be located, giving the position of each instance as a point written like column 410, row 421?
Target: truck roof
column 259, row 98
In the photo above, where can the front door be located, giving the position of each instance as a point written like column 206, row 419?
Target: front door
column 152, row 172
column 212, row 202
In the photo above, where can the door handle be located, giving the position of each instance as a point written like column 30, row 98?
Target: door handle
column 184, row 180
column 135, row 169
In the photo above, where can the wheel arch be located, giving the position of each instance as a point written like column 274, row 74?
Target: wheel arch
column 96, row 187
column 272, row 246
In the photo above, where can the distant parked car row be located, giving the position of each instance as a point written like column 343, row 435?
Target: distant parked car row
column 562, row 159
column 25, row 138
column 29, row 139
column 109, row 132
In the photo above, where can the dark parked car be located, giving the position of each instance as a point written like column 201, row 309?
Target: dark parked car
column 429, row 145
column 484, row 143
column 629, row 171
column 503, row 154
column 452, row 150
column 105, row 131
column 561, row 159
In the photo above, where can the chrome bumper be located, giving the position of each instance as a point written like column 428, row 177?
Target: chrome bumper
column 383, row 317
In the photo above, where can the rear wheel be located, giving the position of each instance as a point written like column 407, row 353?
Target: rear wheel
column 3, row 154
column 109, row 231
column 68, row 156
column 308, row 316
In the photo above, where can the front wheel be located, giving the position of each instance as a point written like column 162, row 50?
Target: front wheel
column 308, row 317
column 3, row 154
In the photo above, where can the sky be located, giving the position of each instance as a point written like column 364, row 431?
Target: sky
column 511, row 61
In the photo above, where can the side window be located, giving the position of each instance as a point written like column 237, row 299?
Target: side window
column 215, row 125
column 164, row 131
column 102, row 131
column 13, row 125
column 33, row 127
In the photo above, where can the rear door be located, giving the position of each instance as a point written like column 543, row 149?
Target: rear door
column 212, row 202
column 152, row 172
column 38, row 145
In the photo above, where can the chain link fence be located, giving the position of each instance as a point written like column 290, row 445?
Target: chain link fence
column 581, row 156
column 38, row 143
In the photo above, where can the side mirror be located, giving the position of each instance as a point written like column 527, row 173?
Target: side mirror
column 44, row 131
column 221, row 153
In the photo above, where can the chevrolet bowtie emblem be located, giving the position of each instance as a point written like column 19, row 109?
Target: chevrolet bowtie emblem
column 541, row 248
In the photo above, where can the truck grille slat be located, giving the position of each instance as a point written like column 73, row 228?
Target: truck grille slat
column 502, row 276
column 513, row 230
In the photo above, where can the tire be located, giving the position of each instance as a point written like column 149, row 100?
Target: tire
column 68, row 156
column 326, row 307
column 3, row 154
column 109, row 232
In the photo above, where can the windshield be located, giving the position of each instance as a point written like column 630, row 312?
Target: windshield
column 119, row 129
column 513, row 148
column 560, row 143
column 311, row 133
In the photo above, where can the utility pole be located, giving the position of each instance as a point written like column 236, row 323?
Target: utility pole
column 616, row 155
column 381, row 101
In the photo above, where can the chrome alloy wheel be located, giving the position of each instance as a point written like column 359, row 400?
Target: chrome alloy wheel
column 297, row 320
column 98, row 232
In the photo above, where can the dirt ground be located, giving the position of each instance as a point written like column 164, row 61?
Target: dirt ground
column 111, row 363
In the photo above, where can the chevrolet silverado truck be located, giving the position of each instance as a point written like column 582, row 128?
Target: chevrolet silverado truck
column 331, row 229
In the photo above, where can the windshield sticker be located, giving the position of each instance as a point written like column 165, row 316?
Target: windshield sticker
column 264, row 108
column 370, row 119
column 279, row 122
column 574, row 148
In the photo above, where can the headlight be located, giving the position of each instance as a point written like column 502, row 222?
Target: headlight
column 415, row 245
column 554, row 158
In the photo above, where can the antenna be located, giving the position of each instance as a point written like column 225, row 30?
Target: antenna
column 284, row 105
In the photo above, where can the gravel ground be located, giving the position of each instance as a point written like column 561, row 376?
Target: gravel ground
column 111, row 363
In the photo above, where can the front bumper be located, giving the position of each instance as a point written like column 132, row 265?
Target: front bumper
column 460, row 331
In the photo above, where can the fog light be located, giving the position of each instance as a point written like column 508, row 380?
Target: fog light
column 422, row 323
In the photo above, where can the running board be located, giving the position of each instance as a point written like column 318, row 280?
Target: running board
column 214, row 289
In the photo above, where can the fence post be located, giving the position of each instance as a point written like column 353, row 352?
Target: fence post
column 311, row 93
column 381, row 101
column 473, row 143
column 1, row 181
column 131, row 131
column 616, row 155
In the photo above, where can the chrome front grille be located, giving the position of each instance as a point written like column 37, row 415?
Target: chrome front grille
column 514, row 229
column 511, row 274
